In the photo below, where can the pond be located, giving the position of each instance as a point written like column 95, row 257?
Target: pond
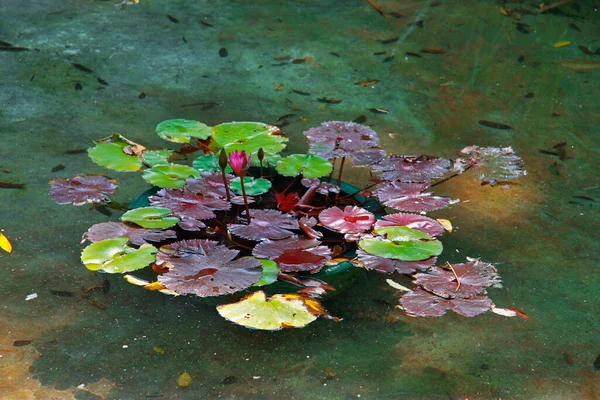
column 429, row 77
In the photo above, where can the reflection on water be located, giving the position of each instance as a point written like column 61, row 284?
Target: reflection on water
column 452, row 65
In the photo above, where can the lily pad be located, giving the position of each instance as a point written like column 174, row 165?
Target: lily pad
column 151, row 217
column 248, row 136
column 209, row 163
column 256, row 311
column 171, row 176
column 266, row 224
column 294, row 254
column 115, row 256
column 269, row 274
column 421, row 303
column 401, row 243
column 139, row 236
column 253, row 186
column 117, row 153
column 182, row 130
column 156, row 157
column 352, row 219
column 306, row 164
column 80, row 190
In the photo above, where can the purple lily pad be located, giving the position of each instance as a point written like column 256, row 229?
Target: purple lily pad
column 210, row 184
column 474, row 277
column 352, row 219
column 139, row 236
column 412, row 168
column 340, row 139
column 388, row 265
column 204, row 268
column 495, row 163
column 323, row 187
column 80, row 190
column 421, row 303
column 413, row 221
column 409, row 197
column 365, row 157
column 266, row 224
column 294, row 254
column 190, row 207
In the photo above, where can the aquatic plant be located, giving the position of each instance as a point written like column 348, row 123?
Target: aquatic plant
column 241, row 218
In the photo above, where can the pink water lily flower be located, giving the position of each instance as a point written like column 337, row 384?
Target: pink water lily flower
column 236, row 161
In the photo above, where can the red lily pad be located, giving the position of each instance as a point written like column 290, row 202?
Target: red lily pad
column 409, row 197
column 388, row 265
column 294, row 254
column 139, row 236
column 190, row 207
column 204, row 268
column 421, row 303
column 80, row 190
column 474, row 277
column 352, row 219
column 412, row 168
column 266, row 224
column 413, row 221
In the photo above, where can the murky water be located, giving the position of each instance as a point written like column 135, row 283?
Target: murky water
column 495, row 67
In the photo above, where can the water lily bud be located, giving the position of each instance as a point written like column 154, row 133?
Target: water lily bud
column 223, row 160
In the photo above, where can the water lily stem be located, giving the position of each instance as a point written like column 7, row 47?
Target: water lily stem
column 245, row 198
column 226, row 185
column 456, row 276
column 339, row 179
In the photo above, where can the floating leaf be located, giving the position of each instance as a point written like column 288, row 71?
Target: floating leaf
column 388, row 265
column 323, row 187
column 249, row 137
column 115, row 256
column 209, row 184
column 402, row 243
column 80, row 190
column 5, row 243
column 184, row 380
column 412, row 168
column 562, row 43
column 340, row 139
column 495, row 163
column 182, row 130
column 409, row 197
column 294, row 254
column 352, row 219
column 269, row 274
column 413, row 221
column 286, row 202
column 169, row 175
column 150, row 217
column 209, row 163
column 421, row 303
column 205, row 269
column 256, row 311
column 253, row 186
column 156, row 157
column 474, row 277
column 188, row 206
column 117, row 153
column 158, row 350
column 306, row 164
column 266, row 224
column 580, row 64
column 139, row 236
column 366, row 157
column 445, row 223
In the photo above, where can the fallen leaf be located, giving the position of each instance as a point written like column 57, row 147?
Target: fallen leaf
column 445, row 223
column 279, row 87
column 159, row 351
column 367, row 82
column 184, row 379
column 5, row 243
column 562, row 43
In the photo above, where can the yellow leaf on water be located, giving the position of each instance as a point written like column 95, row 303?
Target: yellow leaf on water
column 580, row 64
column 445, row 223
column 562, row 43
column 158, row 350
column 184, row 379
column 5, row 244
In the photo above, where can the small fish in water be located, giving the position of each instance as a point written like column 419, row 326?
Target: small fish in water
column 390, row 40
column 172, row 19
column 21, row 343
column 229, row 380
column 300, row 92
column 102, row 81
column 413, row 54
column 379, row 110
column 327, row 100
column 75, row 151
column 433, row 50
column 494, row 125
column 367, row 82
column 223, row 52
column 82, row 67
column 360, row 119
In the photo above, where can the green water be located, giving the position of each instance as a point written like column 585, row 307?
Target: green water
column 544, row 240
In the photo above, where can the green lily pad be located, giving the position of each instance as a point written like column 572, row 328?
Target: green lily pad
column 270, row 272
column 306, row 164
column 171, row 176
column 209, row 163
column 182, row 130
column 248, row 136
column 256, row 311
column 151, row 217
column 253, row 186
column 401, row 233
column 115, row 256
column 416, row 250
column 117, row 153
column 156, row 157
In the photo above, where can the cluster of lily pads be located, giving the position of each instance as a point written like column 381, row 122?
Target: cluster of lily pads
column 240, row 217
